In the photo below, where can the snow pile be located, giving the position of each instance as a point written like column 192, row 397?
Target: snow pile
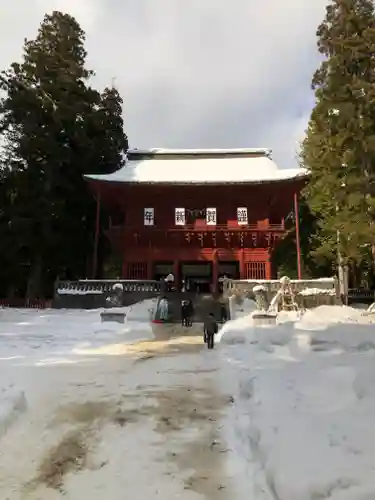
column 243, row 309
column 304, row 403
column 137, row 328
column 331, row 281
column 141, row 311
column 138, row 321
column 64, row 336
column 118, row 286
column 308, row 292
column 13, row 403
column 324, row 316
column 78, row 291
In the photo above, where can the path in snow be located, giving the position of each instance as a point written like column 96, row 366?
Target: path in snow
column 283, row 412
column 140, row 421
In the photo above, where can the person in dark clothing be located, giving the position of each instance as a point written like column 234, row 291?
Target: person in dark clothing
column 184, row 313
column 209, row 330
column 190, row 313
column 163, row 286
column 223, row 313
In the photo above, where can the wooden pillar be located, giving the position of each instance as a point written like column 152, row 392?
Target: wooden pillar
column 215, row 271
column 242, row 265
column 298, row 243
column 97, row 233
column 268, row 269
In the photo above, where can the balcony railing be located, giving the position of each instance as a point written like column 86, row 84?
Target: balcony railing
column 228, row 227
column 207, row 228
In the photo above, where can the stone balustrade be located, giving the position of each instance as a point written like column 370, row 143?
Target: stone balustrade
column 92, row 294
column 85, row 287
column 230, row 286
column 309, row 293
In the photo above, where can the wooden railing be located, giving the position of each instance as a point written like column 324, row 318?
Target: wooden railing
column 204, row 227
column 229, row 227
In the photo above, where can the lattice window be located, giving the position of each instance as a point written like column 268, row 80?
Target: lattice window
column 136, row 271
column 255, row 270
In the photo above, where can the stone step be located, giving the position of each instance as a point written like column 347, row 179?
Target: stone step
column 118, row 317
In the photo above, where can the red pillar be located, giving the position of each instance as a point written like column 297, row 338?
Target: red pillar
column 298, row 243
column 215, row 271
column 97, row 232
column 242, row 265
column 268, row 269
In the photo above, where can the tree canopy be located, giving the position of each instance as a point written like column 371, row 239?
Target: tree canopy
column 55, row 127
column 339, row 148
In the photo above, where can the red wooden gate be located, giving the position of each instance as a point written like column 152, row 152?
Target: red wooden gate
column 136, row 271
column 255, row 270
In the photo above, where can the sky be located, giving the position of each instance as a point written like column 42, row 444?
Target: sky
column 194, row 73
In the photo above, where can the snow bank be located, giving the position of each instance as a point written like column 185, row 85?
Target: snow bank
column 308, row 292
column 78, row 291
column 137, row 328
column 138, row 321
column 118, row 286
column 13, row 403
column 64, row 336
column 246, row 307
column 141, row 311
column 304, row 403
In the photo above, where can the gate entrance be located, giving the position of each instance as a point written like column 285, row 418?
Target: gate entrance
column 162, row 269
column 230, row 269
column 197, row 276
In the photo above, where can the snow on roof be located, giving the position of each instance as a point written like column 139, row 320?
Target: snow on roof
column 233, row 151
column 197, row 166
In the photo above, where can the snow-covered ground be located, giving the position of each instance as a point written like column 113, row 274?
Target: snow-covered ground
column 106, row 410
column 58, row 336
column 304, row 403
column 95, row 410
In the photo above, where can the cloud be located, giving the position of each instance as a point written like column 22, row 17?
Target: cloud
column 195, row 73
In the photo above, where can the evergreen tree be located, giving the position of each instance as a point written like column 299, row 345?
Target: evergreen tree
column 6, row 249
column 56, row 128
column 111, row 127
column 339, row 148
column 285, row 254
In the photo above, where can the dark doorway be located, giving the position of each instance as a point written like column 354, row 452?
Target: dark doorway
column 162, row 269
column 197, row 276
column 228, row 269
